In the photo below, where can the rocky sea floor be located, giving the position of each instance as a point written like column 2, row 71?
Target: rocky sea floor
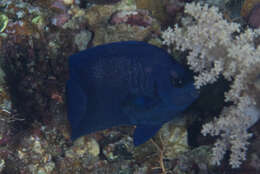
column 36, row 39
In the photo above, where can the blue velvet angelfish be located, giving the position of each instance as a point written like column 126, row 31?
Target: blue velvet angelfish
column 126, row 83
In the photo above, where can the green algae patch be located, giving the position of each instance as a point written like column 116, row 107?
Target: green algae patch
column 3, row 22
column 39, row 22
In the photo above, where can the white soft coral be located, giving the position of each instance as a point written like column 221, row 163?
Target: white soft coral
column 214, row 51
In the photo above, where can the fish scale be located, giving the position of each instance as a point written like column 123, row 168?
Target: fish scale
column 132, row 75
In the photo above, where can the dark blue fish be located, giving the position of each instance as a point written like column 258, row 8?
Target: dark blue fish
column 126, row 83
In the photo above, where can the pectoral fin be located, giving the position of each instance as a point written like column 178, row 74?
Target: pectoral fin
column 144, row 132
column 138, row 104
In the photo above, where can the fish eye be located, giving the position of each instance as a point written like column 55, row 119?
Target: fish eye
column 177, row 82
column 178, row 79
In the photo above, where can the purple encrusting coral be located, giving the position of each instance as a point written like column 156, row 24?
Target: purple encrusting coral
column 63, row 16
column 173, row 7
column 101, row 1
column 140, row 18
column 254, row 16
